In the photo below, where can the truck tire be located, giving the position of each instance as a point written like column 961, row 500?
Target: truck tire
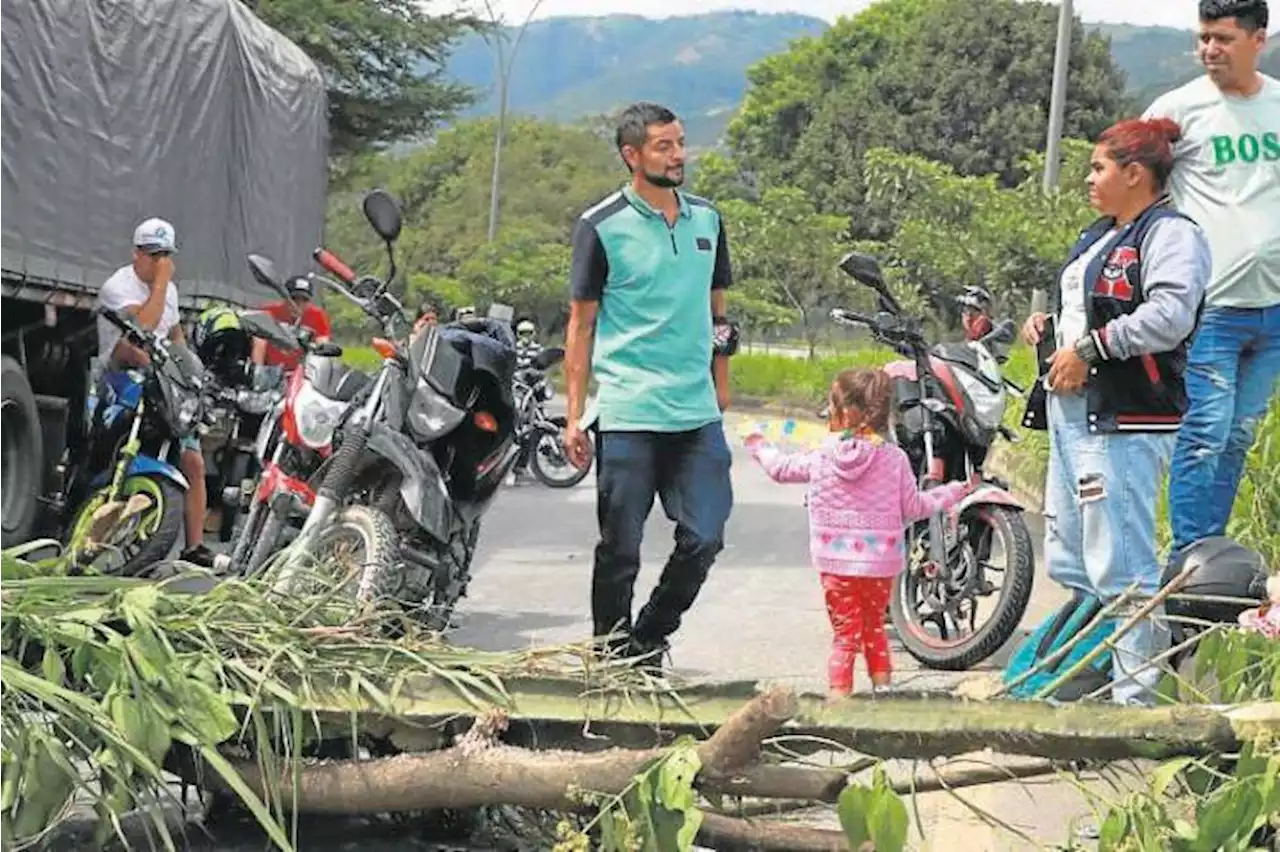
column 23, row 457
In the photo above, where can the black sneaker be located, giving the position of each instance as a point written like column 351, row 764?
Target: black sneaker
column 649, row 656
column 202, row 556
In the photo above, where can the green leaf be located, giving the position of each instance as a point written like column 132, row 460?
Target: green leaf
column 853, row 807
column 1113, row 831
column 1166, row 772
column 205, row 713
column 52, row 667
column 887, row 821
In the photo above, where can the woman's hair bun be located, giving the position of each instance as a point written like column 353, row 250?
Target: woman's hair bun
column 1166, row 127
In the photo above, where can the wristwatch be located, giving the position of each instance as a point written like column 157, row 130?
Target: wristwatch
column 1088, row 349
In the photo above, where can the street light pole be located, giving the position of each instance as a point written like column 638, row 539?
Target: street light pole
column 504, row 65
column 1058, row 97
column 1057, row 117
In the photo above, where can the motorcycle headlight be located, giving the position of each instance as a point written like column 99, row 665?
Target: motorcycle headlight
column 317, row 416
column 430, row 414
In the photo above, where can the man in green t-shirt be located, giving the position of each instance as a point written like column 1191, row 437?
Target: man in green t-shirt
column 1227, row 177
column 649, row 273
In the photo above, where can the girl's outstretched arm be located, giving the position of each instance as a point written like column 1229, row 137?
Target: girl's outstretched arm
column 918, row 505
column 781, row 466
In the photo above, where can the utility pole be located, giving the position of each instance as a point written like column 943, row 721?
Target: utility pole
column 1058, row 97
column 1057, row 117
column 503, row 64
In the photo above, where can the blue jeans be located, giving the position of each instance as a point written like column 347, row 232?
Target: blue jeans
column 1100, row 527
column 689, row 471
column 1233, row 371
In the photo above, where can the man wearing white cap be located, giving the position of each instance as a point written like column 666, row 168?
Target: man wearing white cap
column 144, row 289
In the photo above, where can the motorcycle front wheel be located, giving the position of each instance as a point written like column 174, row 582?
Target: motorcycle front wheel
column 133, row 544
column 356, row 555
column 936, row 619
column 548, row 461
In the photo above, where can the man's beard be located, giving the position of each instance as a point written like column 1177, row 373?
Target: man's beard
column 662, row 181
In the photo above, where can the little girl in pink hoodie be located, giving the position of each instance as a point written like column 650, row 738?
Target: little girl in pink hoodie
column 862, row 497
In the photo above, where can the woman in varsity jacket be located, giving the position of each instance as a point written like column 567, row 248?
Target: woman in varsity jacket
column 1120, row 322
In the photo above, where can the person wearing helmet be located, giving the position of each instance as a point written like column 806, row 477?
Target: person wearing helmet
column 975, row 312
column 527, row 345
column 144, row 290
column 464, row 313
column 301, row 311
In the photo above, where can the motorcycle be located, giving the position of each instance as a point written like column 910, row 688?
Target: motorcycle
column 293, row 442
column 246, row 395
column 420, row 454
column 126, row 496
column 949, row 400
column 541, row 438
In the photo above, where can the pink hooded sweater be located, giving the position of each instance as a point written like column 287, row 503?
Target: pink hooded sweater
column 862, row 497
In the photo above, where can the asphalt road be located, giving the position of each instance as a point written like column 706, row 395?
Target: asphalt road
column 760, row 614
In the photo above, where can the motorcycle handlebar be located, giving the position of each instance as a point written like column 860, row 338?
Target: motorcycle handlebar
column 127, row 327
column 847, row 317
column 332, row 264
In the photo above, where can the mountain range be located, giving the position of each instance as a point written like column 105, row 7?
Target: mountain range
column 568, row 68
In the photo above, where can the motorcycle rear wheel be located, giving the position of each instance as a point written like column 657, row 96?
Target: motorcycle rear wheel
column 538, row 462
column 947, row 654
column 150, row 535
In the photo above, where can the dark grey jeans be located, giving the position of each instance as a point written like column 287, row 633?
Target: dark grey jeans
column 689, row 471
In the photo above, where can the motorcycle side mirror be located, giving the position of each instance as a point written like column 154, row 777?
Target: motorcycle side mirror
column 547, row 358
column 862, row 268
column 264, row 272
column 383, row 214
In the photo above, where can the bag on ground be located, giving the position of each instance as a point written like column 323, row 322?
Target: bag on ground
column 1054, row 633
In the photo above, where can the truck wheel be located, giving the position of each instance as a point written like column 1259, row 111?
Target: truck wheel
column 23, row 466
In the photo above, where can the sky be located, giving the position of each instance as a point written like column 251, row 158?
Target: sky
column 1173, row 13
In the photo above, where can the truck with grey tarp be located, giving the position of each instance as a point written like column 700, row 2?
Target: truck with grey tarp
column 115, row 111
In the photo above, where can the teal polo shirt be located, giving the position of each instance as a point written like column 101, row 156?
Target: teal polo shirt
column 653, row 281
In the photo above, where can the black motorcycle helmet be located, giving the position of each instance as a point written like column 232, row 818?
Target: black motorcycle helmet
column 223, row 345
column 1222, row 568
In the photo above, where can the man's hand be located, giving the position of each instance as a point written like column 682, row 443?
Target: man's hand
column 1033, row 328
column 577, row 445
column 1067, row 372
column 722, row 397
column 164, row 270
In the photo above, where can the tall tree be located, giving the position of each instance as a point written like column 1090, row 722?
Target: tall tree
column 554, row 173
column 785, row 254
column 383, row 61
column 964, row 84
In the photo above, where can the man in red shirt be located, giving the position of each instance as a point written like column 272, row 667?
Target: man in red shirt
column 313, row 316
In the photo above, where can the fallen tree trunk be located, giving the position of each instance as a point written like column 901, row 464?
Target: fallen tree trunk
column 900, row 726
column 478, row 771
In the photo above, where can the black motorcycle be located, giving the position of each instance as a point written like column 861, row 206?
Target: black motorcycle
column 245, row 394
column 123, row 497
column 541, row 436
column 421, row 451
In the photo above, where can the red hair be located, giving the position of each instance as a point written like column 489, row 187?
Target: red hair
column 1145, row 141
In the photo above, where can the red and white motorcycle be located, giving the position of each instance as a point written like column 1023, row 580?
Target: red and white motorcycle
column 293, row 444
column 949, row 400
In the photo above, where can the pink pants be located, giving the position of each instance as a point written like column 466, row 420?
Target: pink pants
column 856, row 607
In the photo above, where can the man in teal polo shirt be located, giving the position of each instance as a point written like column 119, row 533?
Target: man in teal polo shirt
column 650, row 269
